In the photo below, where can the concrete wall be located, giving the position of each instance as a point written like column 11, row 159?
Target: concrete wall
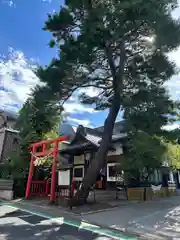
column 10, row 122
column 11, row 144
column 2, row 135
column 6, row 189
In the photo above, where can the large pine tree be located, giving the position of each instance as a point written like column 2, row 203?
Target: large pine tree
column 118, row 47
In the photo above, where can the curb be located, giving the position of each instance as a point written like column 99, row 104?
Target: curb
column 81, row 224
column 105, row 209
column 72, row 213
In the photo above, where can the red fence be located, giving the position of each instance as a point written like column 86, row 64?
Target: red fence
column 42, row 189
column 39, row 188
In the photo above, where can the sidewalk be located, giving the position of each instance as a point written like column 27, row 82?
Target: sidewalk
column 79, row 210
column 62, row 217
column 158, row 219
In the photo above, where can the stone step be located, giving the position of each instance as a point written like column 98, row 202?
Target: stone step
column 108, row 193
column 102, row 195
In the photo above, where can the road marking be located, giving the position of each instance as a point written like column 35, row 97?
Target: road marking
column 85, row 224
column 88, row 227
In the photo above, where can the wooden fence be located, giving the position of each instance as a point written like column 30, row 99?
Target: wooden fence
column 143, row 194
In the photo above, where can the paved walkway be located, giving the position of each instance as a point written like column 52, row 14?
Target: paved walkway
column 16, row 224
column 16, row 214
column 79, row 210
column 158, row 219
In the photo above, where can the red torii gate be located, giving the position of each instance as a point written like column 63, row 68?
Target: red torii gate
column 44, row 152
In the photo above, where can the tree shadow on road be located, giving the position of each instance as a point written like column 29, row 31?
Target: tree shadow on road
column 19, row 225
column 165, row 224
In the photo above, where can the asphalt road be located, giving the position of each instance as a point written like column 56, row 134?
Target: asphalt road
column 16, row 224
column 158, row 219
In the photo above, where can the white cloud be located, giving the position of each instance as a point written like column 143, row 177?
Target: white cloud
column 48, row 1
column 7, row 102
column 171, row 127
column 10, row 3
column 16, row 77
column 173, row 84
column 176, row 12
column 84, row 122
column 173, row 87
column 90, row 91
column 75, row 107
column 16, row 80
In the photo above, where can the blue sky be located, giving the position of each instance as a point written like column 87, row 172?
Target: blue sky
column 23, row 44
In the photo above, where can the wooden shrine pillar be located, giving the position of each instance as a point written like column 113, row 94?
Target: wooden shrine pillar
column 30, row 175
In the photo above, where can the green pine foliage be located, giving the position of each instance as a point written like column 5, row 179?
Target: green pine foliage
column 145, row 153
column 120, row 48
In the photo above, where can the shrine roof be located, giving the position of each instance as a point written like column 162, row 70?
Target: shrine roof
column 86, row 139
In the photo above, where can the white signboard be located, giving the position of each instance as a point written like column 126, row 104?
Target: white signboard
column 64, row 178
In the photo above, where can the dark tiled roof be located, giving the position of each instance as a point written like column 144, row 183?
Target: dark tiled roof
column 75, row 148
column 93, row 131
column 94, row 137
column 88, row 138
column 81, row 147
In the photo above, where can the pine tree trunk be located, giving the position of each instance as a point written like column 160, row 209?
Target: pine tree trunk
column 100, row 160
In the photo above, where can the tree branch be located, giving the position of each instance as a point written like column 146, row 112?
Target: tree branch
column 110, row 60
column 84, row 86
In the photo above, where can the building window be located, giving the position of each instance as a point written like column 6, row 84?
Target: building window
column 156, row 177
column 113, row 172
column 78, row 173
